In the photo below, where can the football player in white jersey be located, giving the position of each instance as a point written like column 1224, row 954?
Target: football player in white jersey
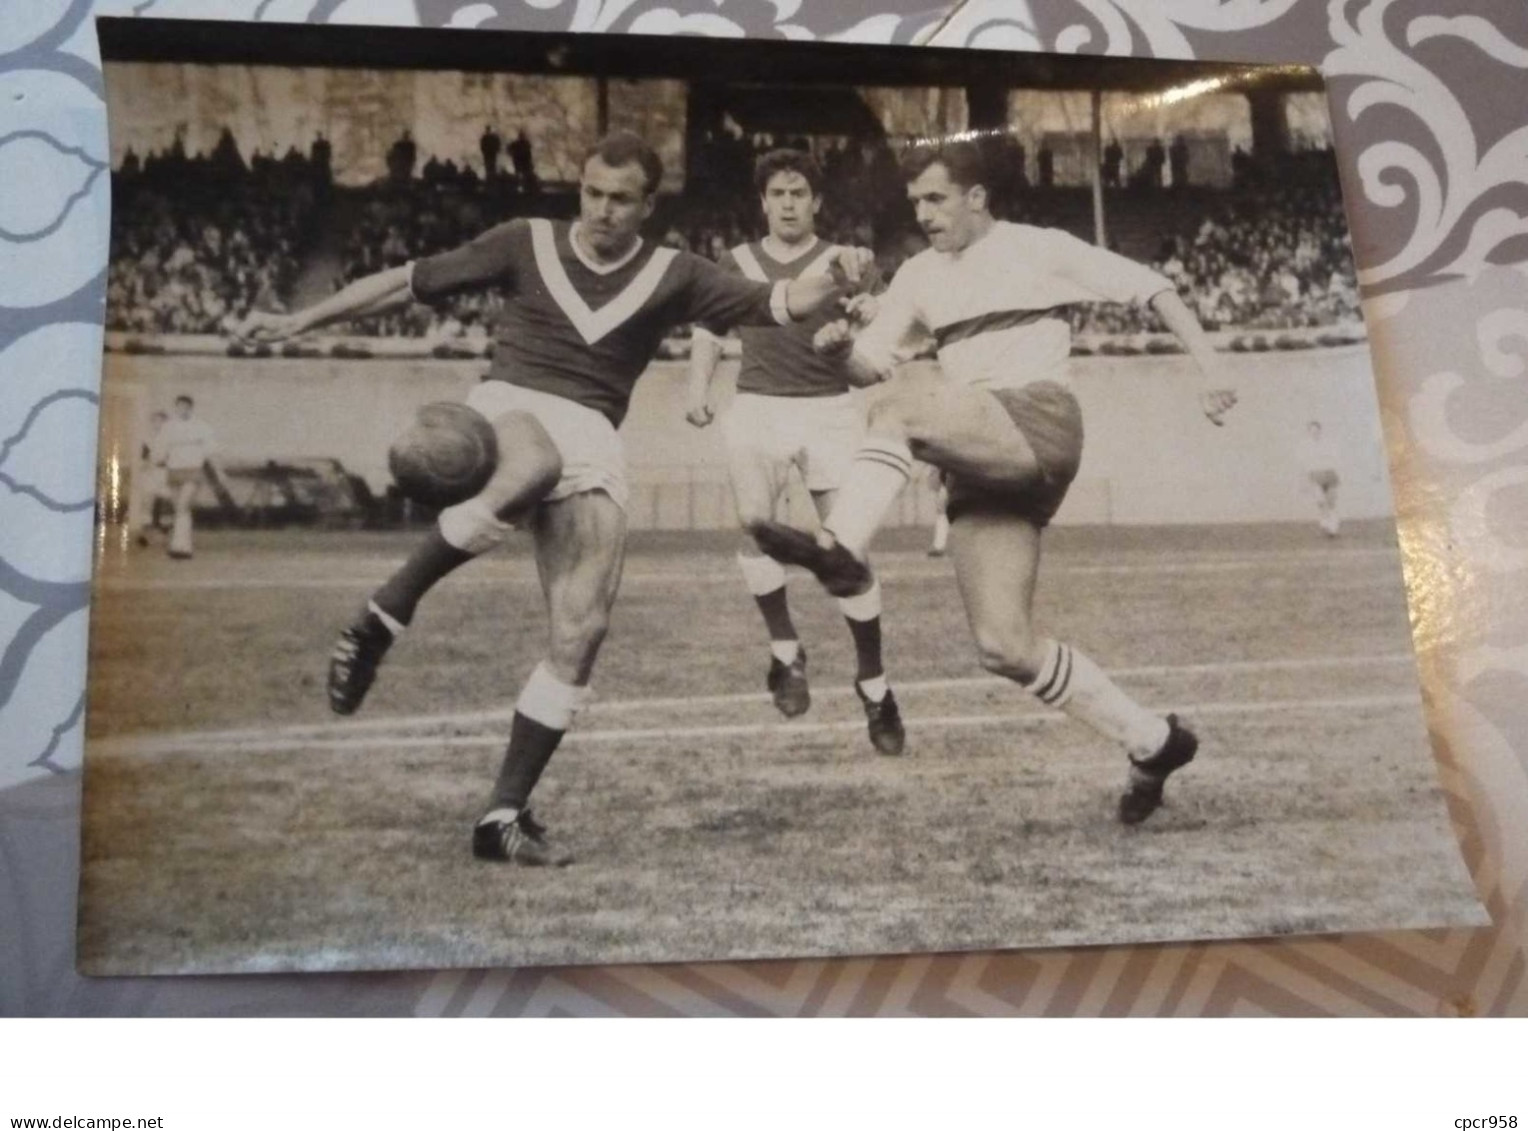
column 1005, row 428
column 1320, row 466
column 185, row 448
column 794, row 409
column 587, row 305
column 152, row 485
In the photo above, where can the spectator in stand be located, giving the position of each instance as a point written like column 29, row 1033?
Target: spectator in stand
column 524, row 164
column 1178, row 162
column 489, row 146
column 1114, row 158
column 401, row 158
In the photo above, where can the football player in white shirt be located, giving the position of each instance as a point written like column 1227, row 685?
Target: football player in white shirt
column 1005, row 428
column 152, row 484
column 185, row 448
column 1321, row 473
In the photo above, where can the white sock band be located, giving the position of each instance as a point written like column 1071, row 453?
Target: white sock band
column 549, row 701
column 471, row 527
column 867, row 606
column 394, row 625
column 785, row 651
column 762, row 575
column 1053, row 685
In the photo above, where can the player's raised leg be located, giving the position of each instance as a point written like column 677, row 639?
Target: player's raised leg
column 957, row 429
column 580, row 549
column 529, row 466
column 997, row 557
column 758, row 482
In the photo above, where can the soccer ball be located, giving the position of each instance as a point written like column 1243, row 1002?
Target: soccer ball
column 447, row 455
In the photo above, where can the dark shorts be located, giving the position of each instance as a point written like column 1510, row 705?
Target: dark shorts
column 1325, row 478
column 1051, row 420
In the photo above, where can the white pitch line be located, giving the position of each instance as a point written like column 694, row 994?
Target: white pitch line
column 740, row 730
column 318, row 731
column 718, row 577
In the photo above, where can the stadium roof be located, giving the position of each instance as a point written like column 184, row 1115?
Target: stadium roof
column 818, row 110
column 696, row 59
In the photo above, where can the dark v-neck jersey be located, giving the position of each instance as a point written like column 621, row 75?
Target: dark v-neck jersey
column 581, row 333
column 779, row 361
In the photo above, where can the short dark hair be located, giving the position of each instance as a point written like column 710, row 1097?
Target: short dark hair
column 787, row 161
column 622, row 147
column 962, row 160
column 186, row 399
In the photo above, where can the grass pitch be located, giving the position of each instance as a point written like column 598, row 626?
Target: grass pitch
column 232, row 824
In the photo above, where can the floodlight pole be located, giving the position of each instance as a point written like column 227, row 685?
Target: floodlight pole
column 1100, row 236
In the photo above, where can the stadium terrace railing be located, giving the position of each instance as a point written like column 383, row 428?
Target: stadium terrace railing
column 362, row 348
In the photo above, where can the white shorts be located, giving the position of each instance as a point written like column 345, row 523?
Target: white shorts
column 156, row 482
column 818, row 434
column 593, row 457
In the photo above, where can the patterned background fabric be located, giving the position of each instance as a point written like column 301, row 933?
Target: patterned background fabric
column 1428, row 109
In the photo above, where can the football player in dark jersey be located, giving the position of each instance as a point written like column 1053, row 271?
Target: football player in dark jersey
column 794, row 409
column 586, row 306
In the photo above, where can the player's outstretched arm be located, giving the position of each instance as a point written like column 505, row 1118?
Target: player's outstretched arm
column 373, row 294
column 1217, row 395
column 705, row 352
column 807, row 294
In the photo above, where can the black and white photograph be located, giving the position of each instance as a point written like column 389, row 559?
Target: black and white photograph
column 572, row 499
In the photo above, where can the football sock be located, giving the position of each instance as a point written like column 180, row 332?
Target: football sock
column 863, row 614
column 543, row 713
column 881, row 469
column 875, row 688
column 431, row 560
column 941, row 533
column 765, row 579
column 1069, row 681
column 389, row 622
column 180, row 532
column 531, row 746
column 785, row 651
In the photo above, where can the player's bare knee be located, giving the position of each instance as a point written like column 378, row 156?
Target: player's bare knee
column 750, row 518
column 1008, row 654
column 528, row 479
column 576, row 637
column 888, row 417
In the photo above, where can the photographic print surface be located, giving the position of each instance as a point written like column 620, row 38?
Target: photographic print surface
column 1232, row 563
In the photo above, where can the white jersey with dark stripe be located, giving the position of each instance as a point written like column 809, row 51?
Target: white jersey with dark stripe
column 779, row 361
column 995, row 311
column 584, row 330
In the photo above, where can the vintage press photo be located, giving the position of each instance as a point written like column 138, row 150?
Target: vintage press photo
column 876, row 501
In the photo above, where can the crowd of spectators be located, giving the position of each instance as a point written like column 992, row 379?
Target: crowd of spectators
column 199, row 241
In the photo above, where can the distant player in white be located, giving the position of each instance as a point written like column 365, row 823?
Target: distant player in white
column 1006, row 429
column 152, row 483
column 185, row 447
column 794, row 409
column 1320, row 466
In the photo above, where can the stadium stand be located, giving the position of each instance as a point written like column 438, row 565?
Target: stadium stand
column 1270, row 253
